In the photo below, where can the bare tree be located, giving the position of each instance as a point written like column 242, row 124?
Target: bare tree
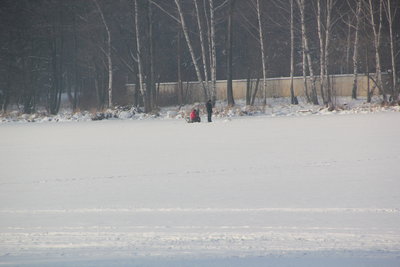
column 73, row 93
column 213, row 52
column 262, row 50
column 355, row 49
column 390, row 11
column 190, row 46
column 229, row 89
column 203, row 45
column 377, row 27
column 179, row 68
column 328, row 29
column 293, row 97
column 322, row 50
column 139, row 55
column 348, row 45
column 57, row 58
column 150, row 83
column 307, row 55
column 84, row 51
column 324, row 42
column 107, row 52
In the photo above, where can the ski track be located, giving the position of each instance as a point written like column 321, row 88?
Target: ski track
column 208, row 210
column 224, row 241
column 201, row 240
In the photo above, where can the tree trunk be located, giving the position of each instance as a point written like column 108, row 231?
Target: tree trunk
column 213, row 53
column 57, row 43
column 263, row 61
column 390, row 18
column 253, row 98
column 28, row 92
column 369, row 92
column 248, row 88
column 203, row 46
column 136, row 92
column 5, row 98
column 306, row 51
column 321, row 51
column 229, row 90
column 208, row 39
column 180, row 85
column 377, row 45
column 98, row 85
column 143, row 90
column 152, row 71
column 150, row 83
column 348, row 46
column 292, row 95
column 314, row 95
column 329, row 7
column 355, row 51
column 75, row 97
column 189, row 44
column 108, row 55
column 304, row 69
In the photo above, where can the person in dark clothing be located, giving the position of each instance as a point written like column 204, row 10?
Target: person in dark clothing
column 209, row 107
column 198, row 115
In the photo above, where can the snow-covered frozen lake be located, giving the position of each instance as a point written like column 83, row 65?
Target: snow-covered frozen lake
column 256, row 191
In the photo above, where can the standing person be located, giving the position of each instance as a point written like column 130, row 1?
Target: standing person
column 209, row 107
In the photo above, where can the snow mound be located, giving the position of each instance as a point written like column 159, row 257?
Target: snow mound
column 276, row 107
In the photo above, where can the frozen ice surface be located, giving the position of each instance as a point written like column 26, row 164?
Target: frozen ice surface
column 251, row 191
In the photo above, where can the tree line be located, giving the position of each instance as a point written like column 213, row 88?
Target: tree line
column 88, row 50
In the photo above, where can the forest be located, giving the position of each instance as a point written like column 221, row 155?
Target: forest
column 88, row 50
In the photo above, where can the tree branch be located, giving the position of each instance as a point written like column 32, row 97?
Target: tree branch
column 165, row 11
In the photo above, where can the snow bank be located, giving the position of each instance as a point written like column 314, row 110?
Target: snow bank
column 276, row 107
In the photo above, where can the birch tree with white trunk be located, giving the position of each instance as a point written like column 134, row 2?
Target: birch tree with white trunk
column 328, row 30
column 321, row 51
column 262, row 50
column 376, row 24
column 202, row 45
column 213, row 52
column 355, row 49
column 293, row 97
column 306, row 53
column 139, row 55
column 390, row 10
column 324, row 42
column 190, row 47
column 229, row 56
column 108, row 54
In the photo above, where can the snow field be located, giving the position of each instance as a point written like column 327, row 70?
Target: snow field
column 307, row 190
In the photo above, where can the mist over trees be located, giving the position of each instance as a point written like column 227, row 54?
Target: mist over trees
column 89, row 49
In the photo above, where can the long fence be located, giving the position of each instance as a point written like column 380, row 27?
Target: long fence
column 168, row 93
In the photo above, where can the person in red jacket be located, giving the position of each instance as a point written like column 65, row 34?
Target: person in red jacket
column 194, row 116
